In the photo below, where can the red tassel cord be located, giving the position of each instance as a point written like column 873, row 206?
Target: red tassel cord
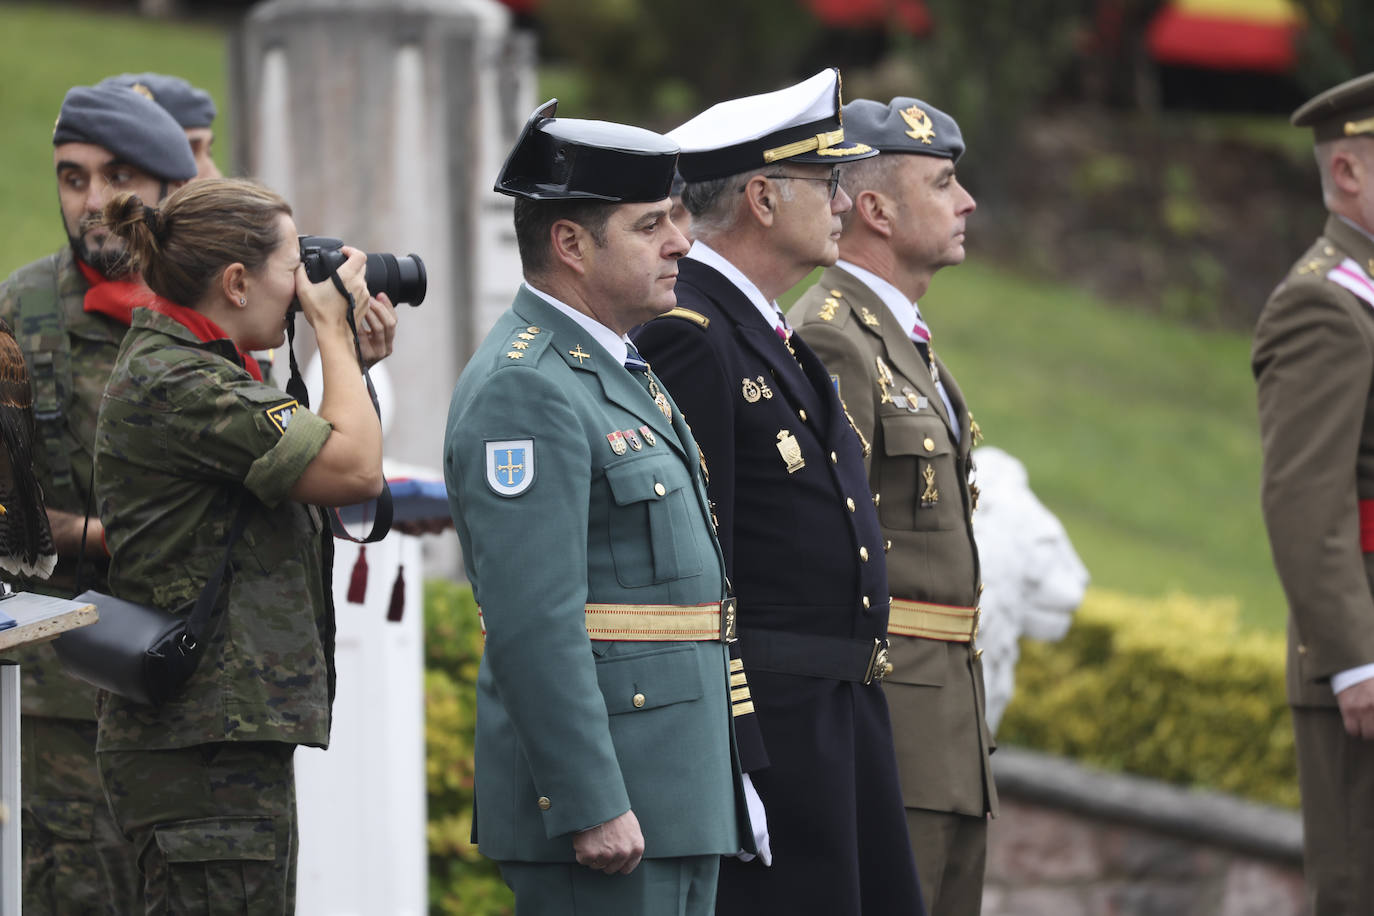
column 357, row 585
column 398, row 597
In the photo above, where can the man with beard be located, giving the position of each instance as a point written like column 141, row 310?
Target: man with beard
column 796, row 519
column 70, row 311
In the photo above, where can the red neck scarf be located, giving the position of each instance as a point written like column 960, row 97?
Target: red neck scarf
column 115, row 298
column 206, row 331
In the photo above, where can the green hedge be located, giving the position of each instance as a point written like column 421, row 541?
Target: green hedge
column 462, row 882
column 1173, row 689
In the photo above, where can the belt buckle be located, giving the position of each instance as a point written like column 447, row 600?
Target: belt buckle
column 879, row 666
column 727, row 620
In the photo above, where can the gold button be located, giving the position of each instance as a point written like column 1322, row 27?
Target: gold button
column 837, row 294
column 802, row 414
column 1302, row 650
column 533, row 330
column 877, row 498
column 866, row 602
column 887, row 668
column 834, row 459
column 659, row 489
column 638, row 700
column 863, row 554
column 544, row 803
column 849, row 501
column 977, row 655
column 929, row 444
column 887, row 546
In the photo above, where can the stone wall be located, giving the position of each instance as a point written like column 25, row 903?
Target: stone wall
column 1070, row 841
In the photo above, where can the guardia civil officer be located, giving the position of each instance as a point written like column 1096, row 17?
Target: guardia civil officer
column 862, row 320
column 797, row 521
column 606, row 771
column 70, row 311
column 193, row 109
column 1313, row 361
column 204, row 784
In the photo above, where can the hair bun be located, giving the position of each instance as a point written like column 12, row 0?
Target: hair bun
column 157, row 225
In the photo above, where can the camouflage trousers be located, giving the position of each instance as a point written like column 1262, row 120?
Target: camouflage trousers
column 214, row 825
column 75, row 860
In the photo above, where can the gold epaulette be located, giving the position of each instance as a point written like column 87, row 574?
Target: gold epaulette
column 689, row 315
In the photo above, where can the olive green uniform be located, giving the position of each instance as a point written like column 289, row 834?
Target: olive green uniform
column 1313, row 361
column 204, row 784
column 74, row 858
column 935, row 690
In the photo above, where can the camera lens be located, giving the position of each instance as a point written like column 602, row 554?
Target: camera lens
column 402, row 279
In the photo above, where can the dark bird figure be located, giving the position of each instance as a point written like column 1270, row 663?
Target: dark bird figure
column 26, row 545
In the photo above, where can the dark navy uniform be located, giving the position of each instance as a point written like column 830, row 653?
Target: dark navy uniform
column 805, row 555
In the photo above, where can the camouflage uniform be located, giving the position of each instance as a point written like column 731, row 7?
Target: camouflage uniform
column 203, row 784
column 74, row 858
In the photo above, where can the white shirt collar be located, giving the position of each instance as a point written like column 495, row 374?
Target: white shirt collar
column 902, row 308
column 707, row 255
column 615, row 344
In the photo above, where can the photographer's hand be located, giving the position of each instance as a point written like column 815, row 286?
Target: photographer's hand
column 377, row 330
column 323, row 305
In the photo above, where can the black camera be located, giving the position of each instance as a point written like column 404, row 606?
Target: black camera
column 401, row 278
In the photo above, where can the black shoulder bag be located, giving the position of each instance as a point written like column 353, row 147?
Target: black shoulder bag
column 140, row 652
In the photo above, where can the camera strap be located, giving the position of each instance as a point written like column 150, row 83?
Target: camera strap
column 295, row 386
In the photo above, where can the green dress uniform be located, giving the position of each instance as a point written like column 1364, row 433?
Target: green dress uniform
column 919, row 471
column 204, row 783
column 74, row 858
column 1313, row 361
column 582, row 513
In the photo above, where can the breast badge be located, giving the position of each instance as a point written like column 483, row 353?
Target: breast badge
column 510, row 466
column 632, row 437
column 931, row 496
column 755, row 388
column 649, row 436
column 911, row 401
column 790, row 450
column 884, row 379
column 617, row 440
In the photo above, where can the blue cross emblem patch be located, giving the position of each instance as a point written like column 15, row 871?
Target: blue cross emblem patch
column 510, row 466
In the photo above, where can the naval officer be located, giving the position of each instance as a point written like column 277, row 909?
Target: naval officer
column 862, row 319
column 607, row 778
column 1313, row 360
column 797, row 520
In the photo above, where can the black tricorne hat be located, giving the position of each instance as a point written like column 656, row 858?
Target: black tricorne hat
column 568, row 159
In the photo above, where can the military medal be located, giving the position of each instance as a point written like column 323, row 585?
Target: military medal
column 931, row 496
column 617, row 440
column 648, row 435
column 755, row 388
column 790, row 450
column 660, row 399
column 632, row 437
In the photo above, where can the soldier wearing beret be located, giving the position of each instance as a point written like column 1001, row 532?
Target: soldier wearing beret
column 862, row 319
column 1313, row 361
column 797, row 520
column 607, row 774
column 192, row 108
column 70, row 312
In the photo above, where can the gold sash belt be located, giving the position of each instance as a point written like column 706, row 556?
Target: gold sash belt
column 946, row 622
column 659, row 622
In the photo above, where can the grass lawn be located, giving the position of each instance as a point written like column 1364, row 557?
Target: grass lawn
column 47, row 51
column 1139, row 434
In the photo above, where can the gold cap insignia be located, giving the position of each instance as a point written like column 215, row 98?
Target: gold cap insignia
column 921, row 127
column 144, row 91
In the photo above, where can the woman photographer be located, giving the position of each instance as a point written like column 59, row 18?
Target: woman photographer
column 204, row 784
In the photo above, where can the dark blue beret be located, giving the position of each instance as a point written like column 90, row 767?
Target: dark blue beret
column 190, row 106
column 128, row 124
column 904, row 125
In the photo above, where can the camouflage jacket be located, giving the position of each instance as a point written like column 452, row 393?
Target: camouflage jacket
column 182, row 430
column 70, row 353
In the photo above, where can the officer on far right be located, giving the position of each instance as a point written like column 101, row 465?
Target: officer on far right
column 862, row 320
column 1313, row 361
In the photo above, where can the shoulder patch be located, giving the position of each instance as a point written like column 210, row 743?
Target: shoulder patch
column 281, row 414
column 687, row 315
column 510, row 466
column 1351, row 276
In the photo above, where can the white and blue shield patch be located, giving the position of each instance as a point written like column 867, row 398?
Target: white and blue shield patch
column 510, row 466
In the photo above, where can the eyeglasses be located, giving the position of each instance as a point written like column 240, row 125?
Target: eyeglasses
column 833, row 180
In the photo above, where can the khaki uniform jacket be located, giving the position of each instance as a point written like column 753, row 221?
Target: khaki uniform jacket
column 935, row 691
column 78, row 378
column 1313, row 361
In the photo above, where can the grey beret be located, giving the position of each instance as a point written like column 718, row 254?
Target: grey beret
column 904, row 125
column 190, row 106
column 129, row 125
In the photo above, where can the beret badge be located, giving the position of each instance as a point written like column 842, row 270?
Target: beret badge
column 921, row 127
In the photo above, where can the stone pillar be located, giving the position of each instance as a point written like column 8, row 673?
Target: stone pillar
column 385, row 124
